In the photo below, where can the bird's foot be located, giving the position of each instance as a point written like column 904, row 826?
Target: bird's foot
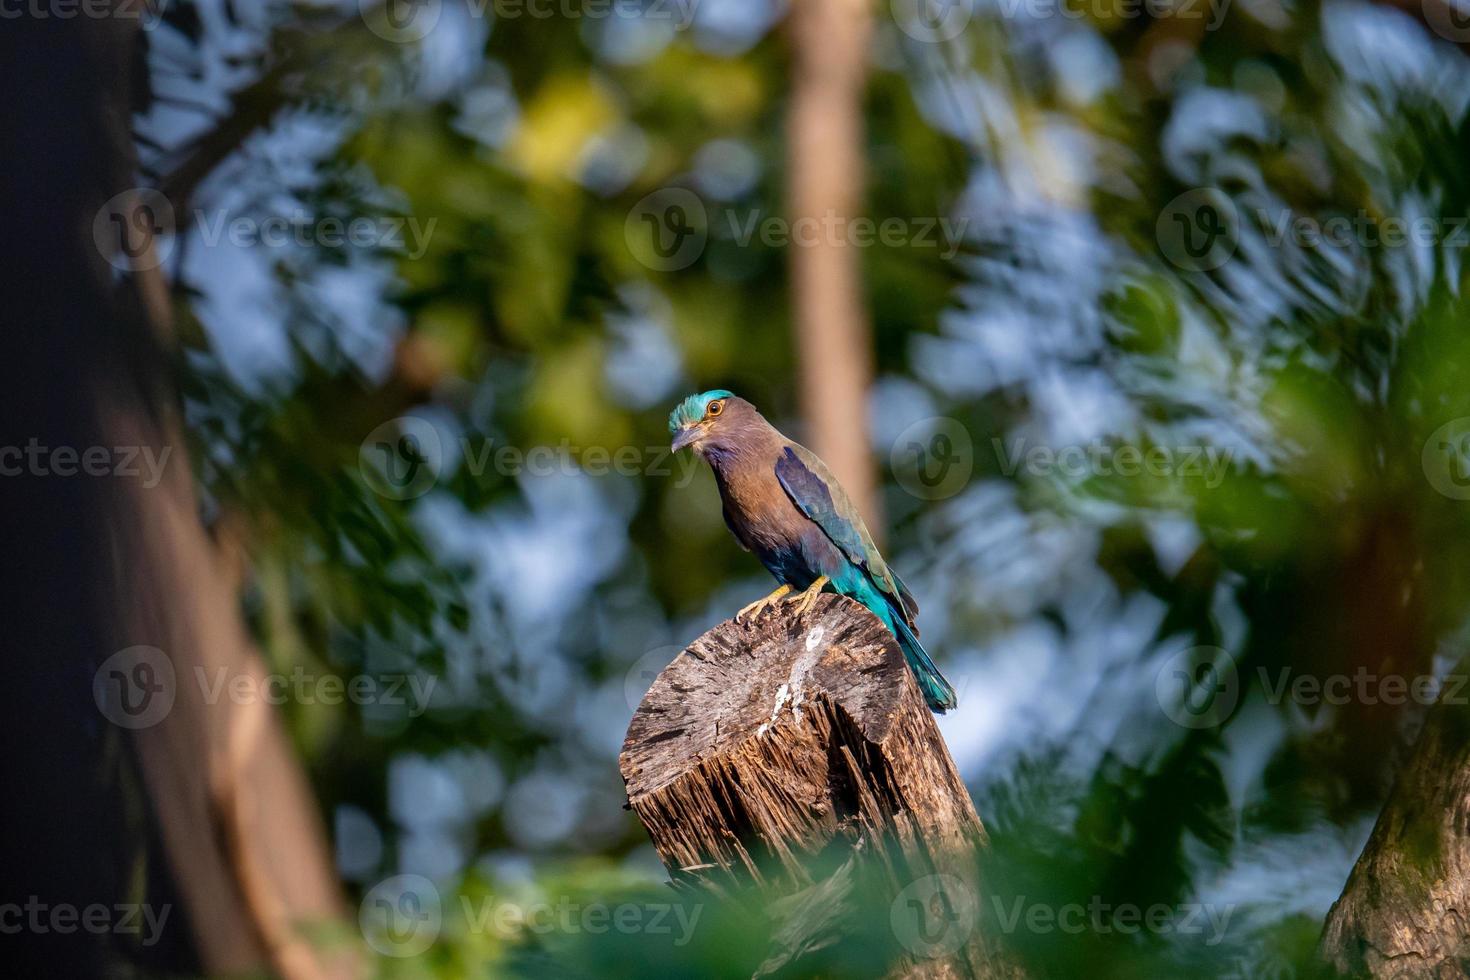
column 807, row 598
column 760, row 605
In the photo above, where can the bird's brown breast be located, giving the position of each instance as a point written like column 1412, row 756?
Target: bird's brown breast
column 760, row 512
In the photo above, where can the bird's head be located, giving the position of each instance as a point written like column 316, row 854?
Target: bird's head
column 701, row 420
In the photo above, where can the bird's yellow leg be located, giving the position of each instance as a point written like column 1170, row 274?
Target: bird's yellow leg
column 759, row 606
column 805, row 600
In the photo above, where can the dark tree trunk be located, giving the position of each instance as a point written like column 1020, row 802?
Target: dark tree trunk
column 202, row 811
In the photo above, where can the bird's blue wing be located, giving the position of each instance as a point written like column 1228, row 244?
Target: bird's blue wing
column 910, row 604
column 817, row 494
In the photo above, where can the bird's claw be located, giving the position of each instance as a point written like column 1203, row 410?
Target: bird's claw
column 809, row 596
column 761, row 605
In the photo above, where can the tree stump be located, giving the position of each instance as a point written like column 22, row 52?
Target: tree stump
column 793, row 758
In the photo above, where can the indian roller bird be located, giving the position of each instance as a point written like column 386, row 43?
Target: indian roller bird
column 782, row 503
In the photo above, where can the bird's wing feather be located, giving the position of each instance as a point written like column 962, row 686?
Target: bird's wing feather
column 819, row 496
column 910, row 604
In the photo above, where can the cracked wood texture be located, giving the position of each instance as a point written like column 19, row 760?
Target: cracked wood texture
column 1405, row 911
column 772, row 752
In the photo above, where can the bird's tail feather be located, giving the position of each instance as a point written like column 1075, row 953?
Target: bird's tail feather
column 937, row 692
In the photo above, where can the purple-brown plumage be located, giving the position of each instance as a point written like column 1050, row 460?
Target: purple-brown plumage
column 742, row 451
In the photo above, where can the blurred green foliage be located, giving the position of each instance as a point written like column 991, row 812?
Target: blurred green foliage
column 532, row 318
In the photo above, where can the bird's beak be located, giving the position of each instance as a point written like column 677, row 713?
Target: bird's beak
column 687, row 436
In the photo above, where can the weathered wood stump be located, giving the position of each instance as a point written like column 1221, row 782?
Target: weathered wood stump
column 794, row 757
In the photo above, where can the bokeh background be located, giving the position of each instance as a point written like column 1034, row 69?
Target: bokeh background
column 1107, row 238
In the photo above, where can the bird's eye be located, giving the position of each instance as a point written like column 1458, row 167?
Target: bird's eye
column 714, row 409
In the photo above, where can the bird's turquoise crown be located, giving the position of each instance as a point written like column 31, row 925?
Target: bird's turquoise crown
column 691, row 409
